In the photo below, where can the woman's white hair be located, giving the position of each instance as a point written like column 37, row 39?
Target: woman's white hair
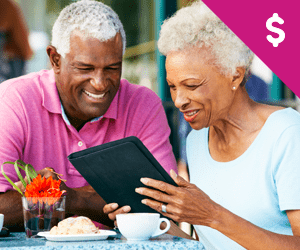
column 197, row 25
column 93, row 18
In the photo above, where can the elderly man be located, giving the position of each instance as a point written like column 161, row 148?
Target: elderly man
column 80, row 103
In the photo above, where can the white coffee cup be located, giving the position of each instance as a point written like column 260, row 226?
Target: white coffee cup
column 141, row 226
column 1, row 221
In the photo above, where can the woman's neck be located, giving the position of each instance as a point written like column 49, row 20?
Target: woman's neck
column 232, row 135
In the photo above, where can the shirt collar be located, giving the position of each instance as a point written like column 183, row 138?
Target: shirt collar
column 63, row 113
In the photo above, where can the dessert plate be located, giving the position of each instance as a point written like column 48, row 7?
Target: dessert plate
column 78, row 237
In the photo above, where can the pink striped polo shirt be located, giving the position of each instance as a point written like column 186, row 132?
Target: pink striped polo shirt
column 33, row 129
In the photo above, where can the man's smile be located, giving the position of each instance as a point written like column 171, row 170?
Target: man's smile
column 100, row 96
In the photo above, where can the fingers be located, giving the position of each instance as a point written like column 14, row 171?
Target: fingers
column 46, row 172
column 112, row 210
column 165, row 187
column 20, row 185
column 158, row 207
column 109, row 208
column 160, row 185
column 155, row 205
column 155, row 194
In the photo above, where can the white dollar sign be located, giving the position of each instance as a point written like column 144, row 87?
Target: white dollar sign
column 280, row 32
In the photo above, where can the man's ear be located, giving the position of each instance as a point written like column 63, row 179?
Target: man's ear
column 237, row 79
column 55, row 58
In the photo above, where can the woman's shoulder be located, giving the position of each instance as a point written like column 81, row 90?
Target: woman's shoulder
column 284, row 117
column 282, row 122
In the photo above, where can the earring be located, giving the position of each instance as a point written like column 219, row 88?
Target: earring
column 233, row 87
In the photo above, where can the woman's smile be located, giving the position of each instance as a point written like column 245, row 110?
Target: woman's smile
column 189, row 116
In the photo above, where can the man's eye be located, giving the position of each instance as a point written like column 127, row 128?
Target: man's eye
column 111, row 68
column 85, row 69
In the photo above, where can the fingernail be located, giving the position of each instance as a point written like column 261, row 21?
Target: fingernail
column 144, row 180
column 138, row 190
column 114, row 206
column 144, row 201
column 126, row 209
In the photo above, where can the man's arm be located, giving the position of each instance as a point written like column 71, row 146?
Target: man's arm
column 82, row 201
column 12, row 135
column 11, row 207
column 79, row 202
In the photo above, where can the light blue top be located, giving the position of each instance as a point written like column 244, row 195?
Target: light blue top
column 260, row 184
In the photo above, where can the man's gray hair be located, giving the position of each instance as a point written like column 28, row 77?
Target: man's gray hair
column 197, row 25
column 92, row 18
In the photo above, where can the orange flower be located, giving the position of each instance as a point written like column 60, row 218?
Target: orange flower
column 41, row 188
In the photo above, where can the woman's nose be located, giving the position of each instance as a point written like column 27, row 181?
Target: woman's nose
column 181, row 100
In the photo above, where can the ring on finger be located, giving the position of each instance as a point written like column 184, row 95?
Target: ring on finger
column 164, row 208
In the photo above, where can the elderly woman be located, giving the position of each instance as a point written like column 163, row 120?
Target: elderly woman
column 243, row 156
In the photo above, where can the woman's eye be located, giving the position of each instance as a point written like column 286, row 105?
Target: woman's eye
column 192, row 86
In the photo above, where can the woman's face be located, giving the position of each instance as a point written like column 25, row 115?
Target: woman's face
column 198, row 89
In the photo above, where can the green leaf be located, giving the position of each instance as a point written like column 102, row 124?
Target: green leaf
column 9, row 180
column 21, row 164
column 29, row 171
column 17, row 166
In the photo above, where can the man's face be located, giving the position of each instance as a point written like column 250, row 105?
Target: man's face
column 89, row 77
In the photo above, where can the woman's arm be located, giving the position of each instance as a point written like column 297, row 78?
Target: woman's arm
column 188, row 203
column 252, row 237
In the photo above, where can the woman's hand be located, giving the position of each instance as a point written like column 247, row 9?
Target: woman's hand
column 185, row 203
column 112, row 209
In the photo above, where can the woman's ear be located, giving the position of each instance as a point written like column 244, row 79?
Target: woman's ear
column 238, row 78
column 55, row 58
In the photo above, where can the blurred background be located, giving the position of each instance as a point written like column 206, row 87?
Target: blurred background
column 143, row 64
column 141, row 20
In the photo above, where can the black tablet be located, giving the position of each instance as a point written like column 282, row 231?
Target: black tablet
column 114, row 170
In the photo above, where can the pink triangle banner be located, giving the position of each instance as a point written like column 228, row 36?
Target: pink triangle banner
column 271, row 29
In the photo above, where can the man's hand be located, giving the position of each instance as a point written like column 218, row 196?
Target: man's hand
column 46, row 172
column 112, row 210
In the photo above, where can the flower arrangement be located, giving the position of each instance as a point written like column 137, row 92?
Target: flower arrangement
column 43, row 201
column 37, row 186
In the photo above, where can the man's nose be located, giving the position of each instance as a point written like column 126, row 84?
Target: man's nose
column 98, row 81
